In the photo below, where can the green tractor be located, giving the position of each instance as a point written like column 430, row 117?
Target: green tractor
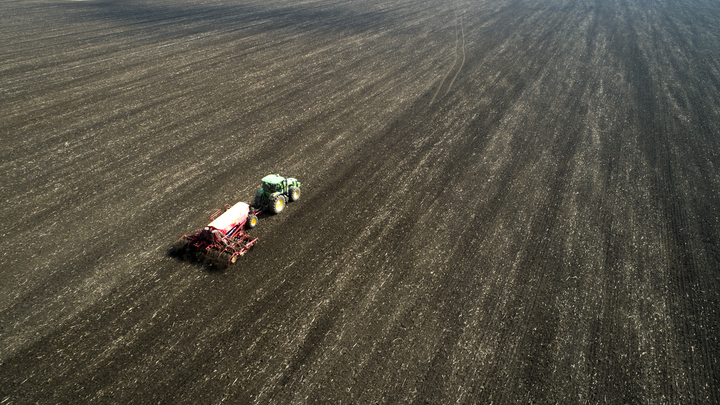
column 276, row 192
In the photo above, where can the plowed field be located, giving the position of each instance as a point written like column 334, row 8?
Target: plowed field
column 503, row 201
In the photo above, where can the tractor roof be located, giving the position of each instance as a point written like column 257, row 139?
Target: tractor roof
column 272, row 179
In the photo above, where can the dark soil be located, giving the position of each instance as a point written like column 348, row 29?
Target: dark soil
column 503, row 201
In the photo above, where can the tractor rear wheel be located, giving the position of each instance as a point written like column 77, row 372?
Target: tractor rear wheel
column 294, row 193
column 277, row 204
column 258, row 200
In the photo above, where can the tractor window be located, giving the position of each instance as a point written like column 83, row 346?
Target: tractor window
column 270, row 188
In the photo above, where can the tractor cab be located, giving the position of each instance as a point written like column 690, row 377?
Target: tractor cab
column 273, row 183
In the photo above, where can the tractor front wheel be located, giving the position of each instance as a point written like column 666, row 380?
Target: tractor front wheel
column 294, row 193
column 277, row 204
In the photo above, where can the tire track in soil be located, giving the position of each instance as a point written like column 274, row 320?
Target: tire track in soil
column 458, row 39
column 462, row 36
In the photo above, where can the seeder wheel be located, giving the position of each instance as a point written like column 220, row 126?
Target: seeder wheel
column 225, row 259
column 252, row 221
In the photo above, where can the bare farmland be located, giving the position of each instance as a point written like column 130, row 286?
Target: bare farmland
column 503, row 201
